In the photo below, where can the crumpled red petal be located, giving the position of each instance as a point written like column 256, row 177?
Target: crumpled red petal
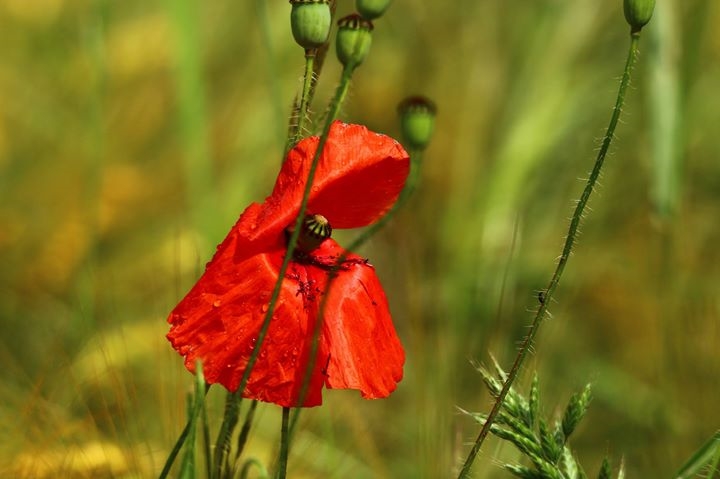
column 219, row 320
column 358, row 334
column 359, row 177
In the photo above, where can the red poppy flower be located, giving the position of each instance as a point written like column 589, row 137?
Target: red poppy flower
column 359, row 177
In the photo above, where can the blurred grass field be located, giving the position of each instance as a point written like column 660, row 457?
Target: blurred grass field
column 132, row 134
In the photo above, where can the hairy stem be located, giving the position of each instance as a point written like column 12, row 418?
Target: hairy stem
column 567, row 249
column 296, row 131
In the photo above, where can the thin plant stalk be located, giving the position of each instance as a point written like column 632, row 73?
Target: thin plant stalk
column 296, row 131
column 206, row 441
column 245, row 430
column 339, row 98
column 187, row 431
column 335, row 104
column 222, row 444
column 567, row 249
column 187, row 466
column 284, row 445
column 262, row 473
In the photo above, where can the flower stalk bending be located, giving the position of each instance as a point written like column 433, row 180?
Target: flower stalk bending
column 567, row 249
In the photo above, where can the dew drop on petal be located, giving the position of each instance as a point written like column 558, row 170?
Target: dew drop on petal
column 264, row 308
column 216, row 303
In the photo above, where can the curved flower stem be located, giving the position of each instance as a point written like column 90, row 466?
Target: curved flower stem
column 284, row 445
column 567, row 249
column 340, row 95
column 410, row 185
column 296, row 131
column 262, row 473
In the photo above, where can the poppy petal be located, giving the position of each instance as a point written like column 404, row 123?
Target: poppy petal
column 359, row 176
column 358, row 179
column 219, row 320
column 358, row 334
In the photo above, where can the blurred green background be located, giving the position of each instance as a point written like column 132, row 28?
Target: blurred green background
column 132, row 134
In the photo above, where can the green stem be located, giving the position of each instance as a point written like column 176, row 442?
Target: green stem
column 222, row 444
column 184, row 434
column 567, row 249
column 262, row 473
column 296, row 131
column 187, row 465
column 340, row 95
column 206, row 443
column 231, row 409
column 245, row 430
column 284, row 445
column 410, row 184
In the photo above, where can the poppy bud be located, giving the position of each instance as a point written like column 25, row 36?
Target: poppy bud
column 638, row 12
column 371, row 9
column 353, row 40
column 310, row 22
column 417, row 120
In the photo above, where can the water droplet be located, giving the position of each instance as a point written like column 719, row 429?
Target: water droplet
column 216, row 303
column 264, row 308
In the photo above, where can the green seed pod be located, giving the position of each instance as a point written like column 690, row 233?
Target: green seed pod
column 310, row 22
column 315, row 230
column 417, row 121
column 372, row 9
column 638, row 12
column 354, row 37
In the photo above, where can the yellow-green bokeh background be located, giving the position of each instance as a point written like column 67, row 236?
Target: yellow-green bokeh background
column 133, row 133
